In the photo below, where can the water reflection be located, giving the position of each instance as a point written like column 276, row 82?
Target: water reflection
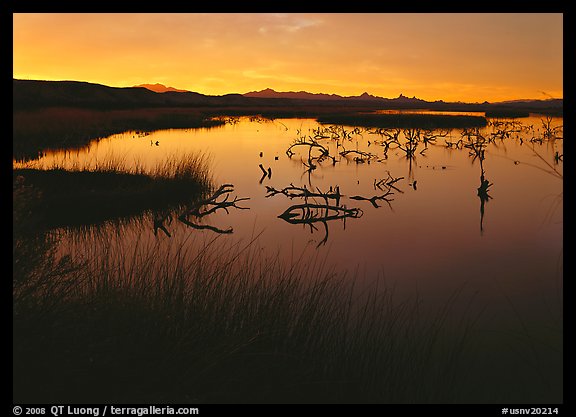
column 361, row 168
column 200, row 210
column 484, row 197
column 337, row 183
column 160, row 217
column 311, row 213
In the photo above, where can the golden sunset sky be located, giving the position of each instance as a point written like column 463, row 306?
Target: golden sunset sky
column 448, row 56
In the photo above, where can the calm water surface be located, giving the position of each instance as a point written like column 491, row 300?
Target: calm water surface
column 435, row 233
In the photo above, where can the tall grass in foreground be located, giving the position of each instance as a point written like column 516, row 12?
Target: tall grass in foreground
column 217, row 322
column 222, row 323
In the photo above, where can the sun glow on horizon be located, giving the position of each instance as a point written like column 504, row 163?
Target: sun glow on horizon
column 452, row 57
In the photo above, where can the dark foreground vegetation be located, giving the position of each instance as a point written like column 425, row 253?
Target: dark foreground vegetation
column 36, row 130
column 224, row 325
column 424, row 121
column 217, row 322
column 57, row 197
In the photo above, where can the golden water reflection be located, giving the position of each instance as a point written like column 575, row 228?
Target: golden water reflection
column 451, row 217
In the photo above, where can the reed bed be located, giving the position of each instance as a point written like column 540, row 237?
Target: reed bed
column 69, row 127
column 108, row 190
column 216, row 322
column 406, row 120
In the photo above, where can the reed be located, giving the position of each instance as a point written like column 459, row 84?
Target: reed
column 219, row 322
column 406, row 121
column 68, row 128
column 106, row 190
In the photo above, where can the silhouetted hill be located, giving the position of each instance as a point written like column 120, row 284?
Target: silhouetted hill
column 33, row 94
column 36, row 94
column 161, row 88
column 304, row 95
column 526, row 105
column 298, row 95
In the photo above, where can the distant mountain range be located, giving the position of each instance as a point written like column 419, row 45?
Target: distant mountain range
column 304, row 95
column 161, row 88
column 34, row 94
column 552, row 106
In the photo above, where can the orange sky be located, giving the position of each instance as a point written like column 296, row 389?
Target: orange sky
column 466, row 57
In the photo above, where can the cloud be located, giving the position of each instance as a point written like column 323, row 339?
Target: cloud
column 287, row 23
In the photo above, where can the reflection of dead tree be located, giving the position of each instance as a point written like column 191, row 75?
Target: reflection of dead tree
column 214, row 205
column 309, row 214
column 482, row 190
column 388, row 183
column 361, row 155
column 159, row 219
column 553, row 170
column 484, row 197
column 383, row 197
column 303, row 192
column 265, row 173
column 205, row 226
column 210, row 205
column 558, row 157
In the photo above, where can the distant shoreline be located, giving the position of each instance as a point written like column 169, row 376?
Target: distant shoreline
column 70, row 114
column 34, row 94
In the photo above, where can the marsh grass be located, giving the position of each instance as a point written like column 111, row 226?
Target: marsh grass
column 80, row 195
column 129, row 318
column 404, row 120
column 68, row 127
column 220, row 322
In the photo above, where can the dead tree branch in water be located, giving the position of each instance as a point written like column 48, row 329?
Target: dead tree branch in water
column 362, row 156
column 303, row 192
column 309, row 214
column 214, row 205
column 210, row 205
column 389, row 136
column 310, row 143
column 383, row 197
column 428, row 136
column 265, row 173
column 549, row 131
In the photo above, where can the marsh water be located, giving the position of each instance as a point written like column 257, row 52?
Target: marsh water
column 441, row 218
